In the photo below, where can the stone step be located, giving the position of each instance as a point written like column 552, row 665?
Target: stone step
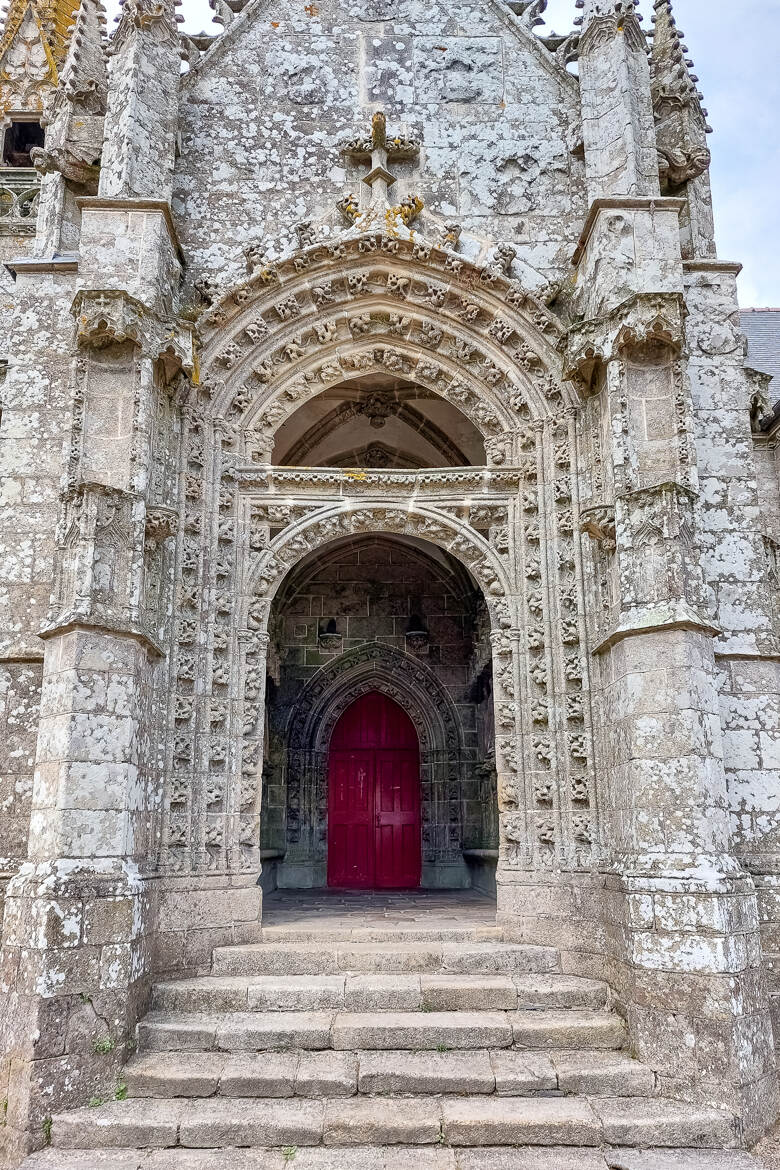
column 214, row 1123
column 436, row 992
column 394, row 1158
column 376, row 934
column 409, row 1073
column 333, row 958
column 349, row 1031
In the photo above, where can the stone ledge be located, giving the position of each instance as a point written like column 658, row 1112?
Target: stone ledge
column 101, row 203
column 670, row 615
column 35, row 264
column 622, row 203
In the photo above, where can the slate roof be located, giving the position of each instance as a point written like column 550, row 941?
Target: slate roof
column 762, row 329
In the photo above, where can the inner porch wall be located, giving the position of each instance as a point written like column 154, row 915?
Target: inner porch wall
column 370, row 592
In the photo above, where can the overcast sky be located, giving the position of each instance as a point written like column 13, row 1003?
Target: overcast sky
column 734, row 46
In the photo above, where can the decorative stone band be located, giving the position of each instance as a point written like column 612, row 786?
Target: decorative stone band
column 348, row 482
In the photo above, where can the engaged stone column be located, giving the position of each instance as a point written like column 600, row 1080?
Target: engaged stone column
column 738, row 560
column 75, row 946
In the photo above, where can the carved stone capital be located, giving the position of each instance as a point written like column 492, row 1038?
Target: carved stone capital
column 608, row 22
column 161, row 524
column 99, row 562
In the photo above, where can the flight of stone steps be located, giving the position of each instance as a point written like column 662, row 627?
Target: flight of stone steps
column 388, row 1050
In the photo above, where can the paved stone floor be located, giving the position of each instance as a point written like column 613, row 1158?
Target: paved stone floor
column 330, row 909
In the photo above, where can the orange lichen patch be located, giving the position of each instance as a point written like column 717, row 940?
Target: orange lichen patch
column 55, row 20
column 312, row 10
column 275, row 23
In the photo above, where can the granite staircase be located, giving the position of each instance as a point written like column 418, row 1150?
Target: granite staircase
column 400, row 1049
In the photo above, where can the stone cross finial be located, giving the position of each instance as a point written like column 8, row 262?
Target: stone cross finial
column 378, row 150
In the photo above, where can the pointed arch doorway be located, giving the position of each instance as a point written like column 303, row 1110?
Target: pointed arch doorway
column 374, row 833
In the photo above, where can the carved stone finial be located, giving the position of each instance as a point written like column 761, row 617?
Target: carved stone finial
column 409, row 208
column 503, row 256
column 74, row 117
column 380, row 149
column 681, row 120
column 349, row 208
column 305, row 233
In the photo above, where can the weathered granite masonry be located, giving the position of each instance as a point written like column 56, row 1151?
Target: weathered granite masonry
column 379, row 350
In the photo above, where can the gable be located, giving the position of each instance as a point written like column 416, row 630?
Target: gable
column 264, row 111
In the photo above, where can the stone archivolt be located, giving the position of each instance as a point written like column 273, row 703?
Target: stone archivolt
column 260, row 361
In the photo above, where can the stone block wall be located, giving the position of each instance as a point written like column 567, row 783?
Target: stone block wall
column 498, row 119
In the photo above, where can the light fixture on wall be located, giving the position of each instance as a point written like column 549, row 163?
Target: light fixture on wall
column 417, row 637
column 329, row 637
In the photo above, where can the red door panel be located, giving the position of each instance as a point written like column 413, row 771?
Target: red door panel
column 351, row 820
column 374, row 797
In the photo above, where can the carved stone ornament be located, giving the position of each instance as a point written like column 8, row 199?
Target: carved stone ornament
column 599, row 524
column 642, row 318
column 108, row 317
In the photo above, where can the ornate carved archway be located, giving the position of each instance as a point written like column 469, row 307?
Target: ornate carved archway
column 333, row 311
column 477, row 338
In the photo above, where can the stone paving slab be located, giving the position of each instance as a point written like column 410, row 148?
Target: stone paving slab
column 261, row 1031
column 378, row 992
column 130, row 1124
column 253, row 1074
column 530, row 1158
column 681, row 1159
column 511, row 1121
column 367, row 1120
column 171, row 1074
column 455, row 1121
column 215, row 1123
column 393, row 956
column 341, row 932
column 521, row 1074
column 366, row 908
column 425, row 1072
column 256, row 1031
column 429, row 1030
column 560, row 991
column 642, row 1122
column 451, row 993
column 396, row 1158
column 602, row 1074
column 372, row 993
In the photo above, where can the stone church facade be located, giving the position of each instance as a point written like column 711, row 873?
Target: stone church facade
column 378, row 352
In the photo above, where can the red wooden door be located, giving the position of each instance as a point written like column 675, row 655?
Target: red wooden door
column 374, row 797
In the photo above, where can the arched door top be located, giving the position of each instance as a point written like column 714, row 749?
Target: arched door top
column 374, row 721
